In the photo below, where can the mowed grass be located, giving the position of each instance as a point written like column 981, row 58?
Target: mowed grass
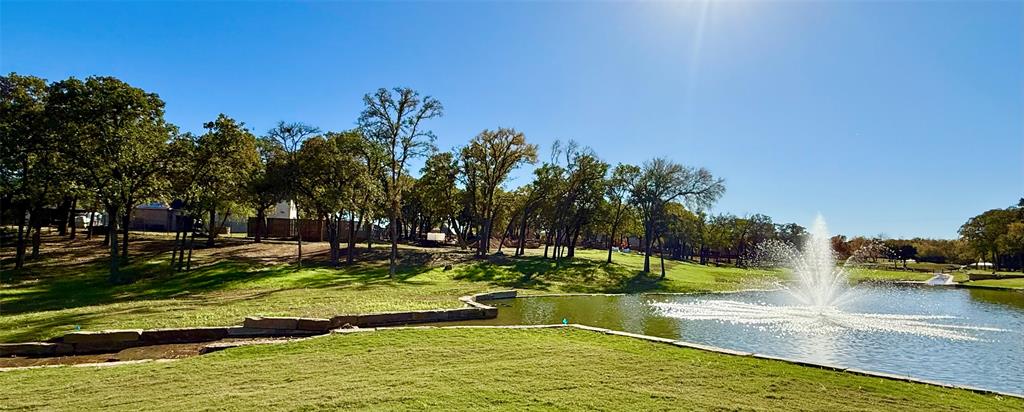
column 54, row 297
column 1016, row 283
column 60, row 294
column 473, row 369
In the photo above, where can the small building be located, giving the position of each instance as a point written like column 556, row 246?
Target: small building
column 153, row 217
column 284, row 210
column 436, row 235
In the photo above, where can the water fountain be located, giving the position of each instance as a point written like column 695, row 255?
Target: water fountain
column 954, row 335
column 817, row 295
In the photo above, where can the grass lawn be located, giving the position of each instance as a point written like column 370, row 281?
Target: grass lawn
column 70, row 287
column 1017, row 283
column 461, row 369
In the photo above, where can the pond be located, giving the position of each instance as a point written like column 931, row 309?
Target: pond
column 960, row 336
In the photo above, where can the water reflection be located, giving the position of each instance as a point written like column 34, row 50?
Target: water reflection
column 963, row 336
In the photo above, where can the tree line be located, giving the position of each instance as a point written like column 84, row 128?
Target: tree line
column 101, row 144
column 995, row 236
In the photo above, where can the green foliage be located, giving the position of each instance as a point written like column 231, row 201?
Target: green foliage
column 487, row 161
column 118, row 139
column 392, row 123
column 997, row 235
column 212, row 172
column 662, row 181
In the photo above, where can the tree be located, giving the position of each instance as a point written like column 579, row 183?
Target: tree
column 578, row 206
column 266, row 186
column 491, row 156
column 982, row 233
column 662, row 181
column 392, row 121
column 230, row 157
column 118, row 137
column 1013, row 241
column 437, row 184
column 289, row 137
column 791, row 233
column 330, row 171
column 617, row 192
column 24, row 142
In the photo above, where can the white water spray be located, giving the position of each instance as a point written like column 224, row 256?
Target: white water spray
column 820, row 288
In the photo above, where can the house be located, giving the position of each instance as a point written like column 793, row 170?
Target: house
column 154, row 217
column 284, row 210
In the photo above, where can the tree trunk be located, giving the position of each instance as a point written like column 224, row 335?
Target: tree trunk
column 126, row 221
column 611, row 243
column 92, row 221
column 351, row 238
column 521, row 249
column 62, row 215
column 393, row 259
column 504, row 235
column 37, row 226
column 191, row 246
column 19, row 255
column 258, row 232
column 572, row 243
column 647, row 249
column 299, row 222
column 72, row 218
column 174, row 248
column 115, row 276
column 333, row 235
column 661, row 250
column 212, row 227
column 189, row 226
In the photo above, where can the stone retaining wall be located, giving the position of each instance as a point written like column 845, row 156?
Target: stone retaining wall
column 80, row 343
column 989, row 276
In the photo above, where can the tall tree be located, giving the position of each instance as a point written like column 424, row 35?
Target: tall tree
column 324, row 182
column 391, row 119
column 118, row 136
column 289, row 137
column 24, row 144
column 662, row 181
column 266, row 185
column 437, row 182
column 617, row 192
column 491, row 156
column 228, row 155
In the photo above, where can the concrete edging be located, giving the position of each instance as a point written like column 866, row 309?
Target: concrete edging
column 107, row 341
column 706, row 348
column 836, row 368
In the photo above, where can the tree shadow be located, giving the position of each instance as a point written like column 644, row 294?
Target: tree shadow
column 575, row 275
column 63, row 282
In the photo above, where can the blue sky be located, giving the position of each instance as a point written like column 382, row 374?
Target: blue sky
column 903, row 118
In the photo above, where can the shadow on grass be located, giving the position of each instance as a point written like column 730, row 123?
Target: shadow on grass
column 55, row 286
column 576, row 275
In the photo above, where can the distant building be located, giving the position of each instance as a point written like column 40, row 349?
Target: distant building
column 436, row 235
column 284, row 210
column 154, row 217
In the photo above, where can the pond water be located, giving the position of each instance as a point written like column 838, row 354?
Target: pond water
column 960, row 336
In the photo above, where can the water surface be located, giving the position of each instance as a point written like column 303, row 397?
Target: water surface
column 960, row 336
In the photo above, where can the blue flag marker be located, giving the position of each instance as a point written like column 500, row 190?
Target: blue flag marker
column 565, row 321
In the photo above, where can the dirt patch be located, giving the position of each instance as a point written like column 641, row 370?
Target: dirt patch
column 60, row 252
column 168, row 351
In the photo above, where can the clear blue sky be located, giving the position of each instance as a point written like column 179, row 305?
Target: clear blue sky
column 903, row 118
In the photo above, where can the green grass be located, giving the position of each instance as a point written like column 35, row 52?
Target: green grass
column 1017, row 283
column 472, row 369
column 54, row 297
column 859, row 275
